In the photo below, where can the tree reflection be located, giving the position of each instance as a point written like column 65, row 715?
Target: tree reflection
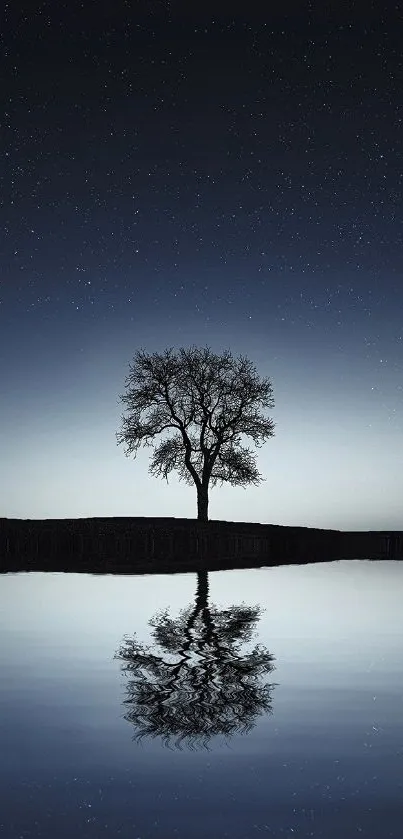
column 196, row 682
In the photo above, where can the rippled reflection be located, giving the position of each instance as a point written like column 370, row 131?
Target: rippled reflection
column 198, row 679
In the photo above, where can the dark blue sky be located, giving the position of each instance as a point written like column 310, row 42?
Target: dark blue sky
column 173, row 175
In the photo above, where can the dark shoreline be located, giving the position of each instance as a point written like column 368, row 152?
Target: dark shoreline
column 169, row 545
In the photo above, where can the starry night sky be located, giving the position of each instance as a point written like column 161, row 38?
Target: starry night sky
column 175, row 175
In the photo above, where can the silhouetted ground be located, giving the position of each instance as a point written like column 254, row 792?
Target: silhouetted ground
column 155, row 545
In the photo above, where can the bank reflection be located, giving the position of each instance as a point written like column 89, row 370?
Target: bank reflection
column 201, row 677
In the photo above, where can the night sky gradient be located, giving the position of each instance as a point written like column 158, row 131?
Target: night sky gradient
column 176, row 174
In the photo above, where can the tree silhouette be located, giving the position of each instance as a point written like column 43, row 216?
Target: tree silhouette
column 203, row 405
column 196, row 682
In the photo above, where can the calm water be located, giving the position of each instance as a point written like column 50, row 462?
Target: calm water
column 255, row 703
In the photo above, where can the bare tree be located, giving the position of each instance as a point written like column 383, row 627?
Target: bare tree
column 203, row 405
column 201, row 678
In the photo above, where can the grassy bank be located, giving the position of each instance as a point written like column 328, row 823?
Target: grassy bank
column 147, row 545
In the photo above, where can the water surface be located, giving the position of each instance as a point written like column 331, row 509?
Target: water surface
column 251, row 703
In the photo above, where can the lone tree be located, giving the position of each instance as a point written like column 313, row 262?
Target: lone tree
column 203, row 405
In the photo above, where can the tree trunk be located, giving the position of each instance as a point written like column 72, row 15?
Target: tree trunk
column 202, row 504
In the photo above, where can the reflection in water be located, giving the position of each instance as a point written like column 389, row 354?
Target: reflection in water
column 196, row 682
